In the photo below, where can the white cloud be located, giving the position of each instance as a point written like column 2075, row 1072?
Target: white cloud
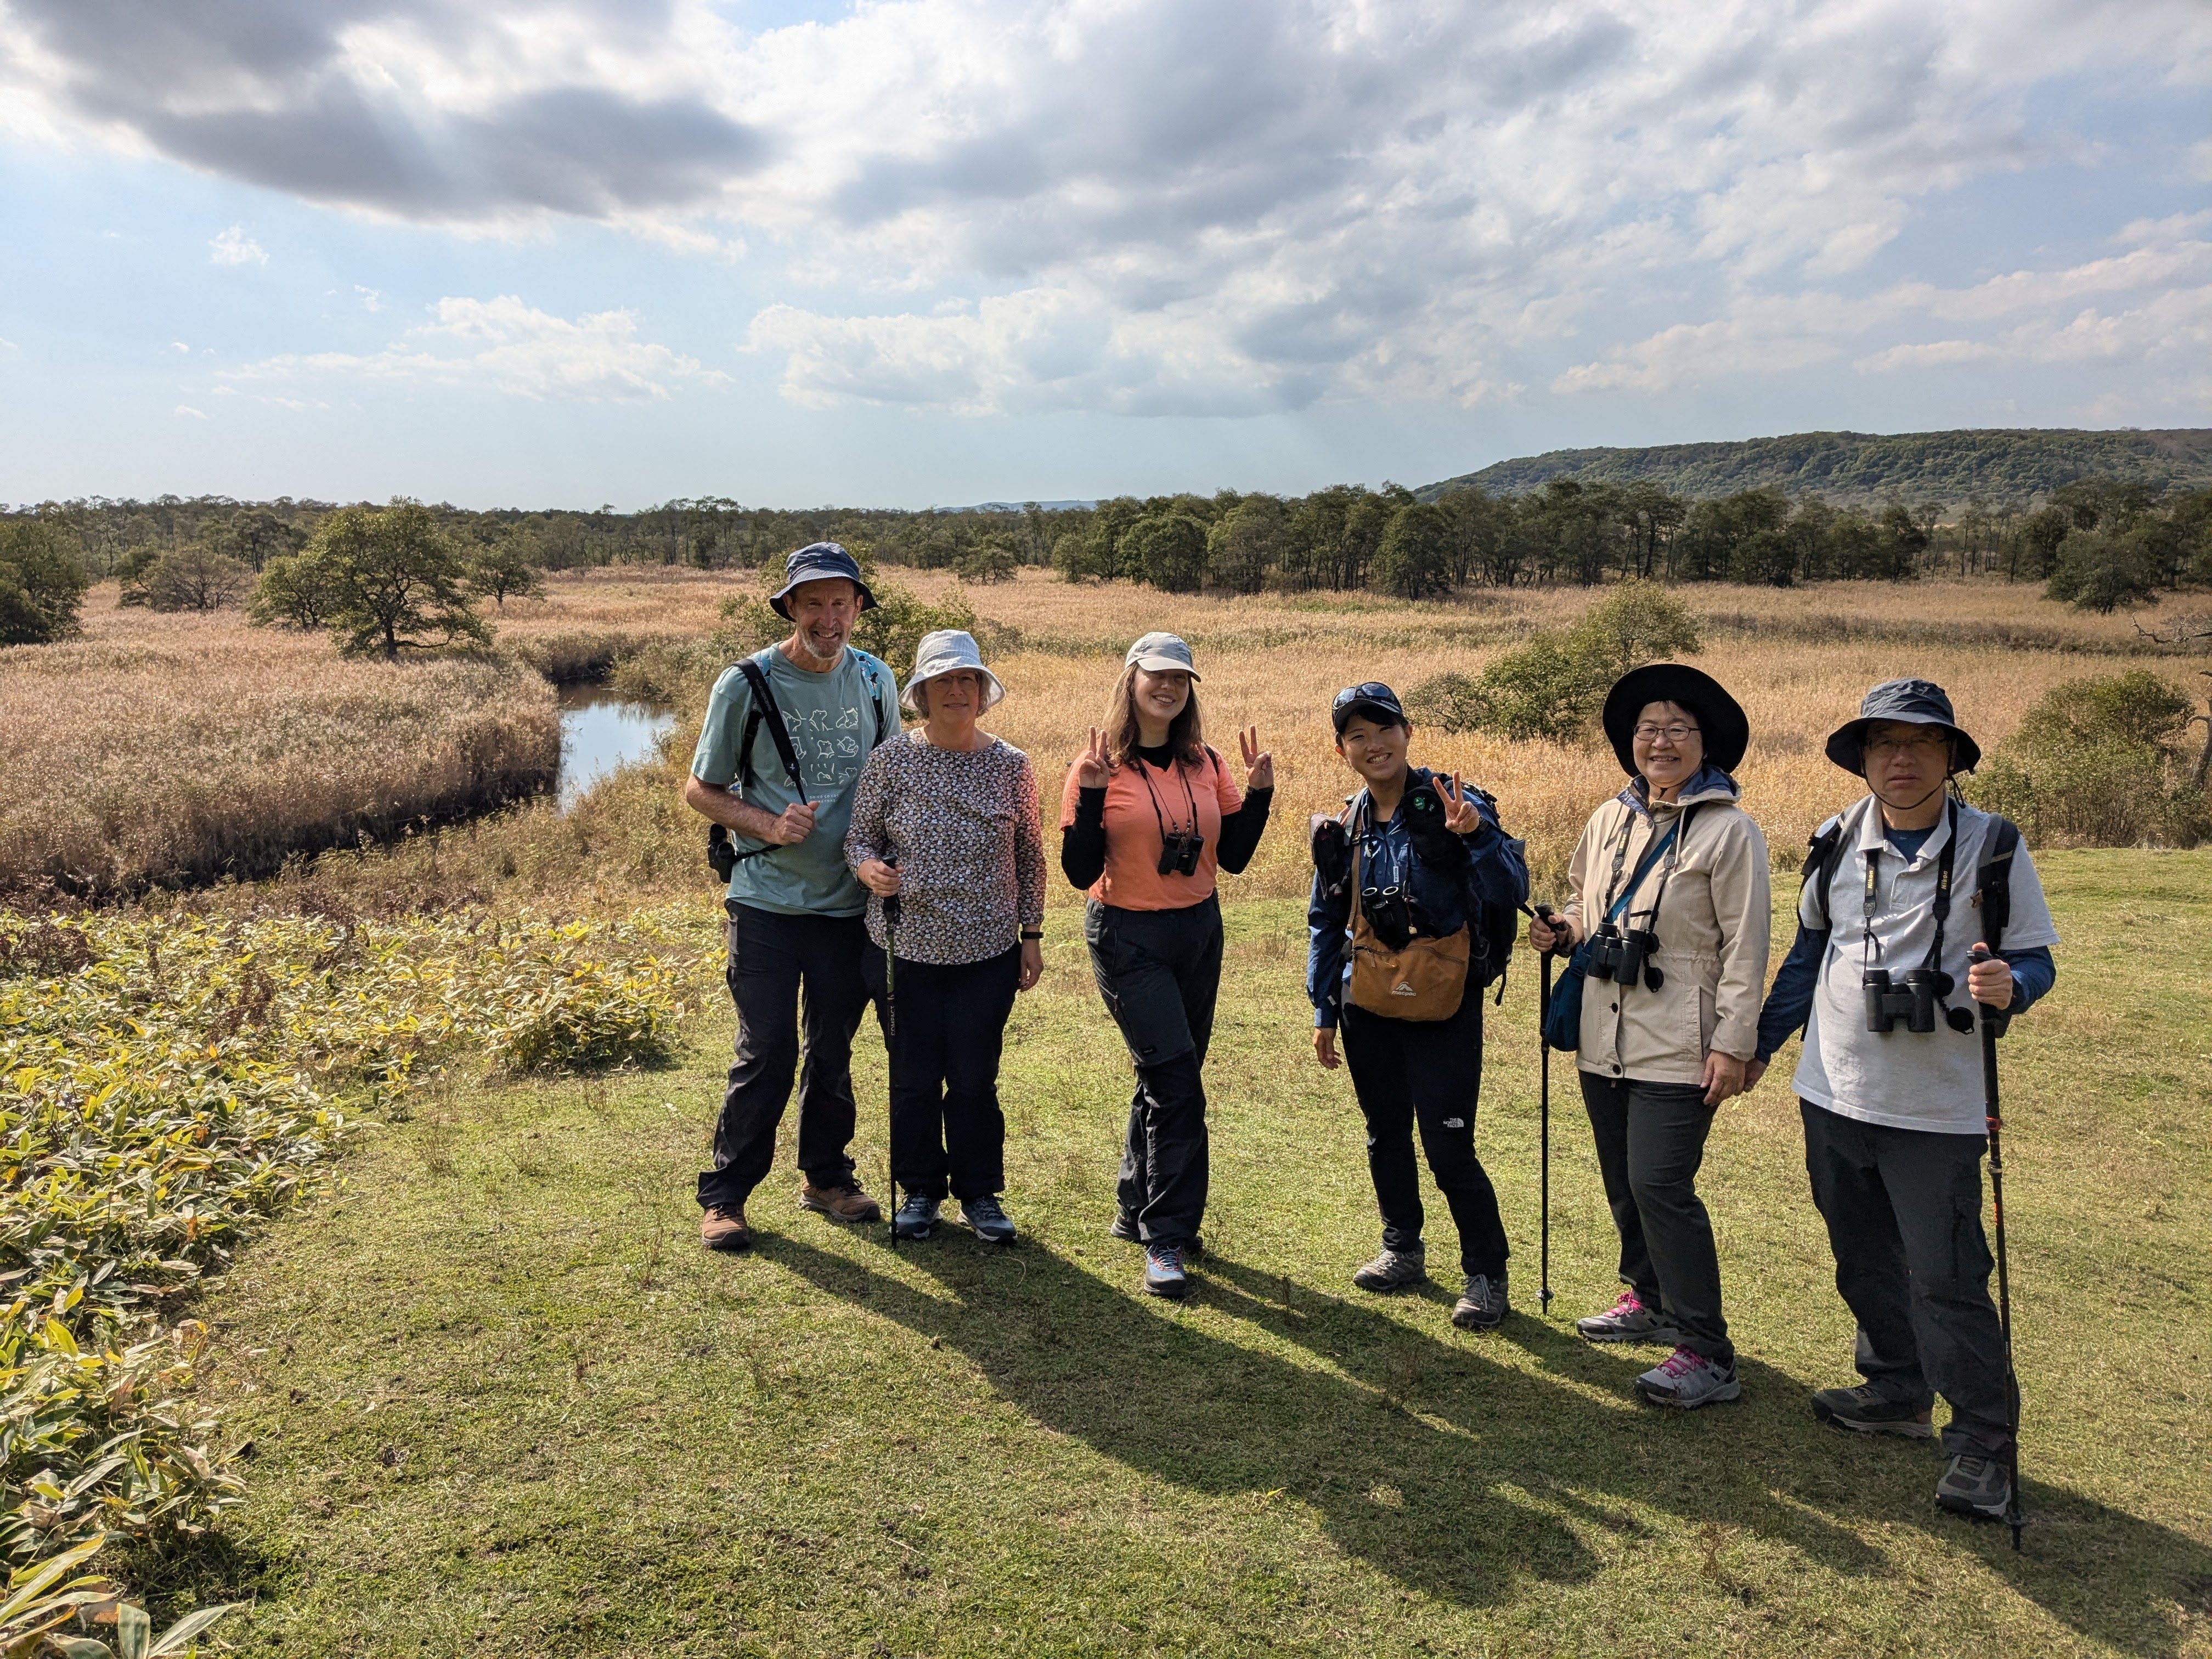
column 509, row 347
column 234, row 248
column 179, row 345
column 186, row 409
column 370, row 299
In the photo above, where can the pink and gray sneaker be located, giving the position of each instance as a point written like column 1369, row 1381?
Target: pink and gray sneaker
column 1688, row 1379
column 1629, row 1321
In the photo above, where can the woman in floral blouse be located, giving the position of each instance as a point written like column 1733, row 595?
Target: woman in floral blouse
column 944, row 820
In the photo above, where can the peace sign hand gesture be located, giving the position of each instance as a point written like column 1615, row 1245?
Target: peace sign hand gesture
column 1259, row 764
column 1461, row 817
column 1091, row 772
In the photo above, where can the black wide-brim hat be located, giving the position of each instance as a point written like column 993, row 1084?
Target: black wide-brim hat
column 819, row 562
column 1721, row 720
column 1908, row 703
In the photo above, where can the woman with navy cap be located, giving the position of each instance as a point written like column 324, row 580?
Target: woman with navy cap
column 1671, row 870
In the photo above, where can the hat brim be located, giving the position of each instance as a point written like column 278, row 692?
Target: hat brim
column 1722, row 722
column 1165, row 665
column 1847, row 744
column 816, row 574
column 992, row 698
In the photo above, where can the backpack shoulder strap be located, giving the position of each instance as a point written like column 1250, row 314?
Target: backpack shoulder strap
column 765, row 712
column 1993, row 878
column 868, row 665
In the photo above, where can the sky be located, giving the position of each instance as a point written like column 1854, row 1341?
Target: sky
column 577, row 253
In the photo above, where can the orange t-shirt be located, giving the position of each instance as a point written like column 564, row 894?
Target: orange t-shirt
column 1132, row 880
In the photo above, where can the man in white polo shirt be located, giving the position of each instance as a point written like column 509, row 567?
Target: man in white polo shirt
column 1889, row 1082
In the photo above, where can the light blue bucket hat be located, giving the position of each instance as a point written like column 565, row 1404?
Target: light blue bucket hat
column 948, row 651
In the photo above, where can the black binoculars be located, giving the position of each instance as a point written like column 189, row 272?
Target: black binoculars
column 1390, row 914
column 1914, row 1001
column 1179, row 854
column 1625, row 959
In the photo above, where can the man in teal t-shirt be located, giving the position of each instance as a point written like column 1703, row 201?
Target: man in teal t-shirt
column 795, row 909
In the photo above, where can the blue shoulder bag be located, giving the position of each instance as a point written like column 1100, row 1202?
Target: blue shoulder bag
column 1564, row 1029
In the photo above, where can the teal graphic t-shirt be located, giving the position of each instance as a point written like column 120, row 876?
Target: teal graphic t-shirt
column 832, row 729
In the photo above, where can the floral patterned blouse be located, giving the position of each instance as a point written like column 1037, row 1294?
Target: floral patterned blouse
column 961, row 826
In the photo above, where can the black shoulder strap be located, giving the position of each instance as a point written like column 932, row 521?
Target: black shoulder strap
column 875, row 698
column 1823, row 857
column 1993, row 880
column 764, row 710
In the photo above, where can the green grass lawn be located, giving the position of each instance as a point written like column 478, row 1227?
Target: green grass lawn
column 501, row 1403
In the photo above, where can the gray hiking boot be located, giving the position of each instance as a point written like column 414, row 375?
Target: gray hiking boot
column 1629, row 1321
column 1393, row 1270
column 1866, row 1410
column 1689, row 1380
column 1483, row 1306
column 986, row 1219
column 1975, row 1486
column 916, row 1218
column 1163, row 1273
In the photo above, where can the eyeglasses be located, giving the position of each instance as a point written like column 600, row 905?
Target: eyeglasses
column 1673, row 733
column 1901, row 745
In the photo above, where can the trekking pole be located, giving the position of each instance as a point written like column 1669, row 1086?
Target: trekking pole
column 1544, row 1124
column 891, row 912
column 1992, row 1021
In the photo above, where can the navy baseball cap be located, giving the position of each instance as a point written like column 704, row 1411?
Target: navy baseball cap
column 819, row 562
column 1370, row 700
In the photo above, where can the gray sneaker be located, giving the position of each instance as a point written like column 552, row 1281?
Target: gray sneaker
column 1484, row 1306
column 1393, row 1270
column 1866, row 1410
column 916, row 1218
column 1688, row 1379
column 1163, row 1273
column 986, row 1219
column 1629, row 1321
column 1977, row 1486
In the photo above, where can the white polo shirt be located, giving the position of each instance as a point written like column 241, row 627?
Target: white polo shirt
column 1926, row 1081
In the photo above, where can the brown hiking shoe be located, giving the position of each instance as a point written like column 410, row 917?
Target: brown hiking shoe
column 845, row 1203
column 722, row 1228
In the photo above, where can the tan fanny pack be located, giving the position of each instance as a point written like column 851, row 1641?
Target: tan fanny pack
column 1425, row 981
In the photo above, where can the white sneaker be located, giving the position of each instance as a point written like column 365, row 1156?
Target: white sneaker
column 1688, row 1379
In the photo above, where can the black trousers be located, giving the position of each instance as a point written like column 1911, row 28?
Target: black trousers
column 771, row 956
column 1160, row 971
column 1430, row 1072
column 1650, row 1144
column 1903, row 1209
column 948, row 1134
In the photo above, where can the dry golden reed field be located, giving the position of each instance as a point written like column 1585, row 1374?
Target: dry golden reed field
column 172, row 748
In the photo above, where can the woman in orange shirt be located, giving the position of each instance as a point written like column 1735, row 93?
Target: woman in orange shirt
column 1149, row 813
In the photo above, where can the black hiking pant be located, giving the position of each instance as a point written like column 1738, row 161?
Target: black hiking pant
column 771, row 956
column 948, row 1135
column 1903, row 1209
column 1427, row 1073
column 1650, row 1144
column 1160, row 971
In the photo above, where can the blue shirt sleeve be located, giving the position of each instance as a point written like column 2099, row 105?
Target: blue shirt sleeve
column 2033, row 973
column 1497, row 870
column 1789, row 1004
column 1326, row 943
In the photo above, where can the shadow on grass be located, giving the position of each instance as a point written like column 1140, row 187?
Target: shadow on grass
column 1460, row 1476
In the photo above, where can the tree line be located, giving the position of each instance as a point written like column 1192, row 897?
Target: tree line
column 2099, row 543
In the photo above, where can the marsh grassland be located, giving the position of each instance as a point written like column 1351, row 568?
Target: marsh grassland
column 484, row 1394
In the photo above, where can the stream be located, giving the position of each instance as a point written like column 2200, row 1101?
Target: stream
column 600, row 733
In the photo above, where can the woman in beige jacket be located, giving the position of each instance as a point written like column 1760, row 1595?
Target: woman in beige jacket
column 1673, row 871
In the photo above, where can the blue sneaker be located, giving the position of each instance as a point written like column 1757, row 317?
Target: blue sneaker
column 986, row 1219
column 916, row 1218
column 1163, row 1273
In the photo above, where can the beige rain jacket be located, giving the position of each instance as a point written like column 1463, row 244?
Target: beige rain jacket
column 1713, row 929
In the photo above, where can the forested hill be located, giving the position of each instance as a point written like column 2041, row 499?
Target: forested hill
column 1858, row 468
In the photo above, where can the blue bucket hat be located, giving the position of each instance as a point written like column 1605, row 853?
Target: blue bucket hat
column 1910, row 703
column 819, row 562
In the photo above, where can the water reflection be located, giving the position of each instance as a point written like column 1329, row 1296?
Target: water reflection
column 600, row 732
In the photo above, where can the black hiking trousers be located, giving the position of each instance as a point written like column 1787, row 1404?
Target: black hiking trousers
column 948, row 1134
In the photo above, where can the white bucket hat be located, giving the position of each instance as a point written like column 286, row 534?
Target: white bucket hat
column 948, row 651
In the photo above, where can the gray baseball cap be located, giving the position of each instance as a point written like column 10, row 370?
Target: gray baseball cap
column 948, row 651
column 1159, row 652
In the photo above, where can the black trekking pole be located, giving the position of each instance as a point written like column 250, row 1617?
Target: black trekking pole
column 891, row 911
column 1992, row 1022
column 1544, row 1124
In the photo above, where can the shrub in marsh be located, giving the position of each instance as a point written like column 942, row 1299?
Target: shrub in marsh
column 2102, row 573
column 41, row 583
column 993, row 559
column 389, row 581
column 2100, row 763
column 195, row 577
column 295, row 590
column 1553, row 686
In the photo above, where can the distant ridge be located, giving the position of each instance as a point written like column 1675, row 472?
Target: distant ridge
column 1017, row 507
column 1858, row 468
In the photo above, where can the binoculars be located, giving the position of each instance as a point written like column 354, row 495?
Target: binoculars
column 1914, row 1001
column 1389, row 913
column 1625, row 959
column 1179, row 854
